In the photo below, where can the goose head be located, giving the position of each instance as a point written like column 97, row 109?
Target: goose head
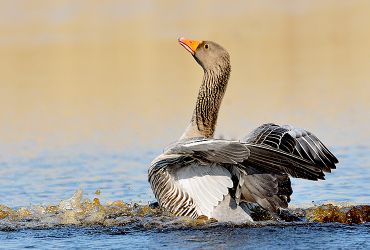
column 209, row 55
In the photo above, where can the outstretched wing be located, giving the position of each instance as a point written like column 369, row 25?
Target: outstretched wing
column 254, row 158
column 269, row 145
column 169, row 195
column 295, row 141
column 192, row 177
column 189, row 179
column 216, row 151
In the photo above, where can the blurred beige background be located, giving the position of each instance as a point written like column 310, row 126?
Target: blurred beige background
column 111, row 73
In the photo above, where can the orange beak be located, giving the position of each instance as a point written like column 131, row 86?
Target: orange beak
column 189, row 45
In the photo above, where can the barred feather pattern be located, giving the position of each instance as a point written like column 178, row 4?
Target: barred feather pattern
column 259, row 166
column 192, row 176
column 295, row 141
column 169, row 195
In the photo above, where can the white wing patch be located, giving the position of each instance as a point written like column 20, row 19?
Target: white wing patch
column 206, row 185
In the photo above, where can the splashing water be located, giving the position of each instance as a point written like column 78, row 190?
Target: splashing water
column 100, row 219
column 77, row 211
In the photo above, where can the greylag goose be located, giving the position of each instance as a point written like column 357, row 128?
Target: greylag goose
column 202, row 176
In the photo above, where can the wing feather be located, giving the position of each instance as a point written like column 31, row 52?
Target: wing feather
column 268, row 190
column 192, row 177
column 295, row 141
column 195, row 180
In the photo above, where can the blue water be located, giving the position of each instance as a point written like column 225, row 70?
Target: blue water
column 316, row 236
column 48, row 178
column 53, row 176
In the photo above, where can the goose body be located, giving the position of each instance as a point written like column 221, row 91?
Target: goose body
column 203, row 176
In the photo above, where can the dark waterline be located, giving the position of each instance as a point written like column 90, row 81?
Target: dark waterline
column 316, row 236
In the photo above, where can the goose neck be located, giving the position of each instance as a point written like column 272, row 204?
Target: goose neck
column 211, row 92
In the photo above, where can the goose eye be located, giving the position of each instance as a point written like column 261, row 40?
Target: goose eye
column 206, row 46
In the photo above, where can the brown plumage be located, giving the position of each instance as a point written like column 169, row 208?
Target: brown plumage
column 203, row 176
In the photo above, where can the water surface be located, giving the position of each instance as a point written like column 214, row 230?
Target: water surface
column 91, row 92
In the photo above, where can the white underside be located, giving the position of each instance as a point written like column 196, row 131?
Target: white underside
column 208, row 186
